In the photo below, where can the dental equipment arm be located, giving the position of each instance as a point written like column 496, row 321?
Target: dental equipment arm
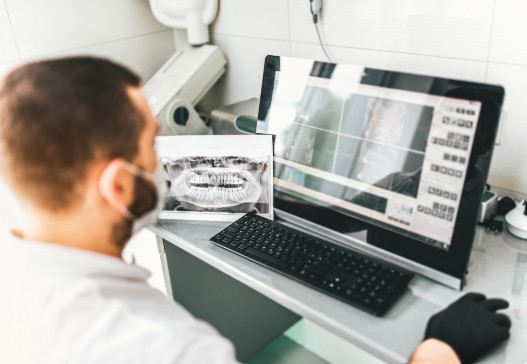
column 179, row 85
column 190, row 73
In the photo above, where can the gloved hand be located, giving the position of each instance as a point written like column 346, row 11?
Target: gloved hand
column 471, row 326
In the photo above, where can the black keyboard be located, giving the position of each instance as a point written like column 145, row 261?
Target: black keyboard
column 352, row 277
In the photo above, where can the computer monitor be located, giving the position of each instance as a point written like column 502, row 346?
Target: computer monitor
column 390, row 163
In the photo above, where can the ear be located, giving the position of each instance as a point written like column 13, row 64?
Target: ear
column 116, row 185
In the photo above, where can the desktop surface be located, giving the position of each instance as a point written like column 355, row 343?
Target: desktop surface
column 498, row 268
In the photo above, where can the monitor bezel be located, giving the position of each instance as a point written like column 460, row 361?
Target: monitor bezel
column 448, row 267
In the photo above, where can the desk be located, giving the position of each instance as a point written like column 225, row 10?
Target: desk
column 497, row 268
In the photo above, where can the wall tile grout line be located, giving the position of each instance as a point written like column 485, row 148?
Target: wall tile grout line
column 93, row 45
column 490, row 40
column 12, row 30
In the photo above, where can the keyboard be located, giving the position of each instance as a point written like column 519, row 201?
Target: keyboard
column 361, row 281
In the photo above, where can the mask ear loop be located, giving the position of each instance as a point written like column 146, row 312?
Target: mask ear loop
column 138, row 171
column 105, row 183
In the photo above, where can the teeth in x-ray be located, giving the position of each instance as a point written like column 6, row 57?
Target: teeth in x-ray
column 216, row 187
column 225, row 179
column 217, row 195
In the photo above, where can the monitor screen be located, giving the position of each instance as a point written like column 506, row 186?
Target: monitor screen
column 398, row 161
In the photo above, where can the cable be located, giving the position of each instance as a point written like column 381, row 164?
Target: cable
column 315, row 6
column 492, row 224
column 322, row 44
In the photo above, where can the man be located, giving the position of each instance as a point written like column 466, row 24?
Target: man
column 77, row 145
column 77, row 148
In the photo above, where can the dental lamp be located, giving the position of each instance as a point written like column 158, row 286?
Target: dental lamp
column 192, row 15
column 190, row 73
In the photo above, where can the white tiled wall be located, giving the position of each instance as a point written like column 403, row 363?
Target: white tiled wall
column 405, row 26
column 509, row 32
column 123, row 30
column 477, row 40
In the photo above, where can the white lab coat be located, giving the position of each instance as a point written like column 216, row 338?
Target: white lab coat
column 63, row 305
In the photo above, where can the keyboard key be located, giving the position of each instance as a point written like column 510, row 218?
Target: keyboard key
column 267, row 257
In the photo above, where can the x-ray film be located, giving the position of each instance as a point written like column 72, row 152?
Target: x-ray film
column 216, row 177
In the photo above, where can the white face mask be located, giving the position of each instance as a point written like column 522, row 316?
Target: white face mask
column 160, row 182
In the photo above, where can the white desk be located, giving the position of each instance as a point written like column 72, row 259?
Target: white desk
column 498, row 268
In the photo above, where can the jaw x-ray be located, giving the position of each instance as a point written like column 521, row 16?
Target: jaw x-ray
column 217, row 184
column 216, row 177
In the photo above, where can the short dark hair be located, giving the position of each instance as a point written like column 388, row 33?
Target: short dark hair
column 59, row 116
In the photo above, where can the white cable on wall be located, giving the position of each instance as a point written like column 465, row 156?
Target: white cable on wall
column 315, row 8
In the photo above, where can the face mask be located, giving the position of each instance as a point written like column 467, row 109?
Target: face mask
column 150, row 217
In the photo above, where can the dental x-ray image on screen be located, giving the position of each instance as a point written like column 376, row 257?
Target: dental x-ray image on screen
column 216, row 177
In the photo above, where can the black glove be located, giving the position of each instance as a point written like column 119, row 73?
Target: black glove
column 471, row 326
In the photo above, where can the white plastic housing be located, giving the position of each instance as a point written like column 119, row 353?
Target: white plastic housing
column 181, row 82
column 517, row 221
column 192, row 15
